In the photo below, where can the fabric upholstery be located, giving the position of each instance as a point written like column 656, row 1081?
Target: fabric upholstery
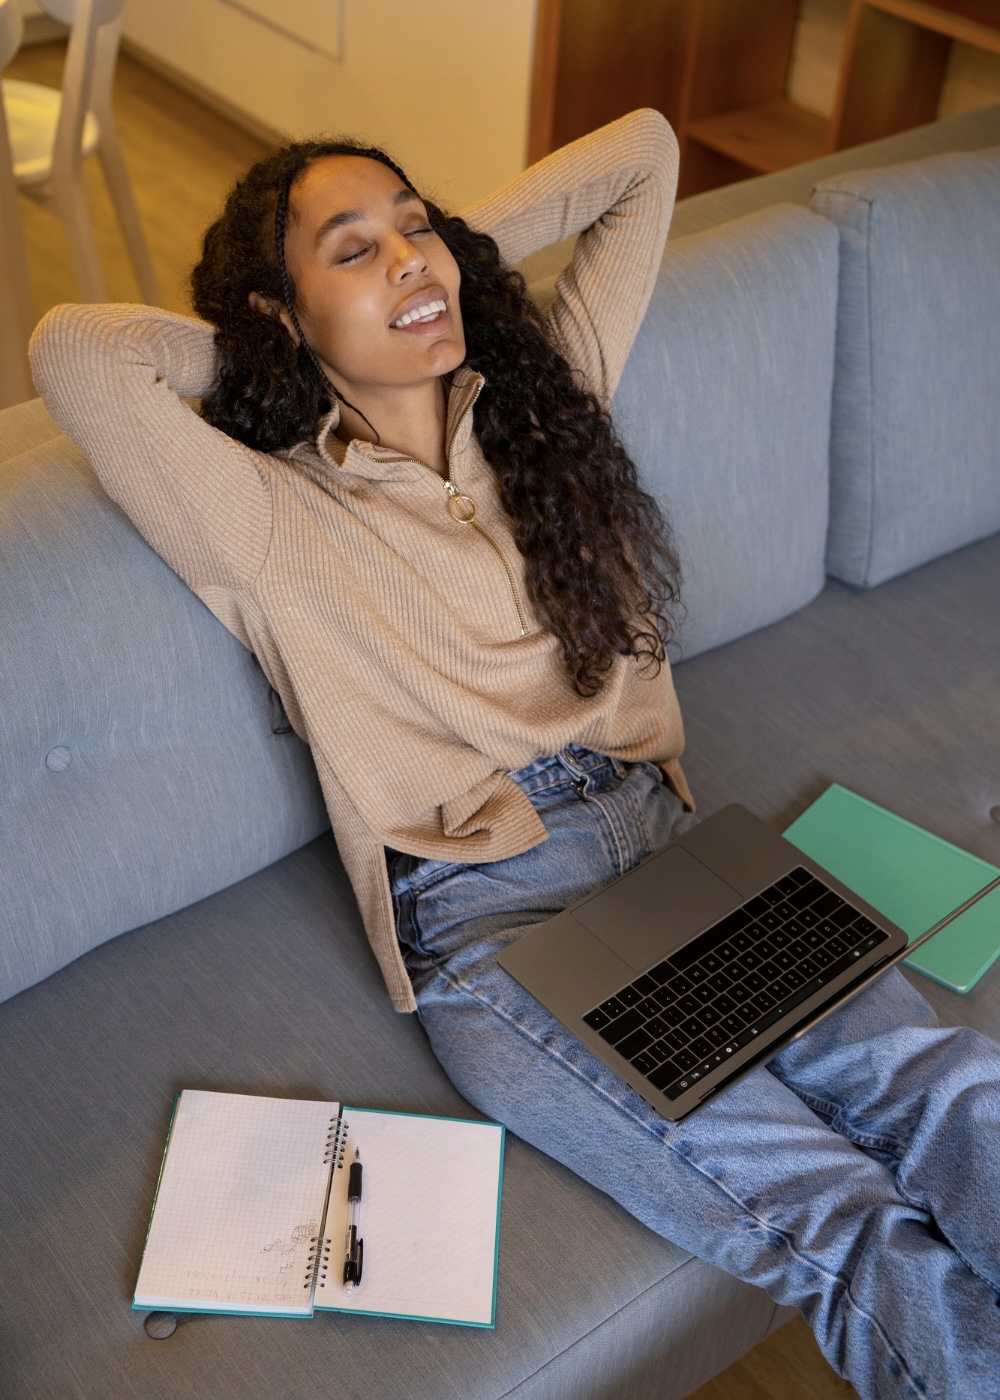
column 892, row 693
column 914, row 468
column 138, row 768
column 968, row 132
column 725, row 405
column 271, row 988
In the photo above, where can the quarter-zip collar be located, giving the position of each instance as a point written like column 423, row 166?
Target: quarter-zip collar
column 380, row 463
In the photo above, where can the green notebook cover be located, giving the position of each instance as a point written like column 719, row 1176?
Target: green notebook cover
column 911, row 876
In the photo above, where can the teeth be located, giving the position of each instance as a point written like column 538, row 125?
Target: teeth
column 421, row 313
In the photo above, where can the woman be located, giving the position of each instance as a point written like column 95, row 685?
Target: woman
column 404, row 494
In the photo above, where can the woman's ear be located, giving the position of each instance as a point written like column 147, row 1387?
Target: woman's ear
column 272, row 308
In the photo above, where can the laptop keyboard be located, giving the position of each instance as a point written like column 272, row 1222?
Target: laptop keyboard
column 683, row 1018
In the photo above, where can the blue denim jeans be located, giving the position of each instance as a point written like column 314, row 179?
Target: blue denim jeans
column 856, row 1176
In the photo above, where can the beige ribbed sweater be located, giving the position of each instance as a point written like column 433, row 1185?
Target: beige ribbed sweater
column 401, row 641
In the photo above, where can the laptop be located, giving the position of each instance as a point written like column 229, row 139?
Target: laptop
column 707, row 958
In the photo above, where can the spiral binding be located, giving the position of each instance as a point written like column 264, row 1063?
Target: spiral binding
column 318, row 1261
column 336, row 1141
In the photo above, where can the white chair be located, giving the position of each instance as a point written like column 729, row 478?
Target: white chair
column 52, row 132
column 16, row 311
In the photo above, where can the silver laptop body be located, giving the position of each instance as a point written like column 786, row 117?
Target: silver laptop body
column 729, row 936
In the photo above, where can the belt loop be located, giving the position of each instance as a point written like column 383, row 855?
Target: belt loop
column 574, row 770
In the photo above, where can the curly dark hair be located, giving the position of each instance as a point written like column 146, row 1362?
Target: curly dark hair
column 600, row 566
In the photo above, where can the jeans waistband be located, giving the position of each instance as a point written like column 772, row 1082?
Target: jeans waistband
column 569, row 766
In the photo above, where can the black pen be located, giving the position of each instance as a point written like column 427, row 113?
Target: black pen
column 354, row 1249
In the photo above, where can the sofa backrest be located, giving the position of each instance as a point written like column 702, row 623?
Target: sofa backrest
column 138, row 767
column 915, row 450
column 725, row 406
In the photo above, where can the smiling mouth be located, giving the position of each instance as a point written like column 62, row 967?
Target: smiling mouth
column 421, row 315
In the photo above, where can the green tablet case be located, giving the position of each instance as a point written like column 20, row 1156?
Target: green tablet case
column 913, row 877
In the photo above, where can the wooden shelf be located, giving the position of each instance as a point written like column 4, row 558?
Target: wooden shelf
column 975, row 22
column 767, row 137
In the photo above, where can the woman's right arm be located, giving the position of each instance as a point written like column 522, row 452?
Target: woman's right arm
column 115, row 378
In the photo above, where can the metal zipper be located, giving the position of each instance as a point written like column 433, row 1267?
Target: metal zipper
column 463, row 509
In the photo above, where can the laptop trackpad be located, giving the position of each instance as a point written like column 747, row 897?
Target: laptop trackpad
column 654, row 909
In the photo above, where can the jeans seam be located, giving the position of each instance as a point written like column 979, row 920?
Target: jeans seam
column 773, row 1230
column 840, row 1124
column 876, row 1326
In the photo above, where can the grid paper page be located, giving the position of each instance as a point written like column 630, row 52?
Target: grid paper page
column 430, row 1209
column 240, row 1198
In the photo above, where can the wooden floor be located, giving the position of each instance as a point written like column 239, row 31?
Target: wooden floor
column 182, row 158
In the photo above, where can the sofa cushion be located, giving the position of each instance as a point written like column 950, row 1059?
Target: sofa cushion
column 892, row 693
column 271, row 988
column 138, row 767
column 725, row 405
column 914, row 470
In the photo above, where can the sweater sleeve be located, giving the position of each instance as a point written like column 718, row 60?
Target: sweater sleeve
column 115, row 379
column 615, row 188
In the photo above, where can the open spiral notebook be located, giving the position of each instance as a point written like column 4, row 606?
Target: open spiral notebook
column 250, row 1213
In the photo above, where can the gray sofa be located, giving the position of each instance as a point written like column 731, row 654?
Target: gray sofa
column 815, row 396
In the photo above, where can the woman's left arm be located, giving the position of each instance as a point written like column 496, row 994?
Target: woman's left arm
column 615, row 188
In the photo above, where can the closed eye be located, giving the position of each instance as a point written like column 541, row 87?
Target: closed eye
column 353, row 257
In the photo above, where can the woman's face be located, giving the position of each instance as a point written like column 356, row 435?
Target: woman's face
column 376, row 288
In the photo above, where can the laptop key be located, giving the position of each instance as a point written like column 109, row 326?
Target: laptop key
column 700, row 1047
column 716, row 1035
column 704, row 994
column 620, row 1028
column 724, row 1004
column 726, row 952
column 679, row 984
column 645, row 985
column 666, row 1074
column 720, row 982
column 657, row 1026
column 689, row 1004
column 629, row 996
column 644, row 1062
column 826, row 904
column 612, row 1007
column 661, row 973
column 684, row 1060
column 632, row 1044
column 596, row 1019
column 648, row 1007
column 660, row 1051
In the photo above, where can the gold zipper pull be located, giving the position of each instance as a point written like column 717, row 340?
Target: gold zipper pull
column 460, row 507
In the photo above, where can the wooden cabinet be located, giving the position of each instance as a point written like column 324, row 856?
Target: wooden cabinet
column 718, row 70
column 895, row 56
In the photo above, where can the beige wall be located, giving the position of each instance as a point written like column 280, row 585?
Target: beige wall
column 444, row 84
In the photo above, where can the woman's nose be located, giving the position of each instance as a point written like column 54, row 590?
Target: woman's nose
column 406, row 258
